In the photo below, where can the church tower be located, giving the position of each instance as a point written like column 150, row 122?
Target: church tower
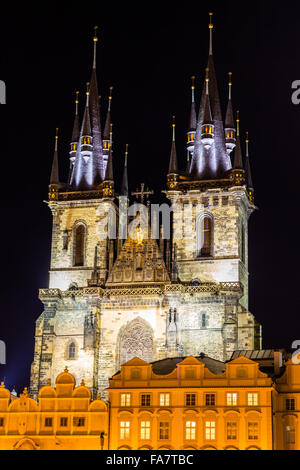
column 115, row 290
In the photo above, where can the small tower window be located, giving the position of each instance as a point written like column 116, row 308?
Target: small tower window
column 72, row 351
column 206, row 237
column 203, row 320
column 79, row 243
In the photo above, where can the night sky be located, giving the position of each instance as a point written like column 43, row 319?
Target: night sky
column 148, row 54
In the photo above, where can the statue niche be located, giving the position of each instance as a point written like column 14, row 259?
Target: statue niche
column 135, row 340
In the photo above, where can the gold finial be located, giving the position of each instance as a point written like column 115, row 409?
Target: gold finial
column 87, row 88
column 238, row 122
column 77, row 95
column 110, row 92
column 25, row 391
column 2, row 385
column 56, row 139
column 173, row 125
column 56, row 133
column 49, row 382
column 95, row 38
column 207, row 79
column 247, row 144
column 82, row 383
column 210, row 33
column 126, row 154
column 66, row 369
column 230, row 83
column 193, row 82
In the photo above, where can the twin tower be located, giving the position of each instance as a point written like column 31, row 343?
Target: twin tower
column 114, row 298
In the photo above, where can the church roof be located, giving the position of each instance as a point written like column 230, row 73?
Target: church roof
column 166, row 366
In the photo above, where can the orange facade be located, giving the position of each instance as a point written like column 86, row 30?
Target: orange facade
column 190, row 407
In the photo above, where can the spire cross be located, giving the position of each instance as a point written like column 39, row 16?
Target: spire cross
column 126, row 154
column 143, row 193
column 87, row 93
column 95, row 39
column 110, row 97
column 230, row 83
column 211, row 26
column 193, row 89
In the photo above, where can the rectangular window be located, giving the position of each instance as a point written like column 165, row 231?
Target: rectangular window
column 210, row 430
column 231, row 399
column 190, row 399
column 190, row 430
column 290, row 435
column 1, row 422
column 210, row 399
column 145, row 400
column 48, row 422
column 78, row 422
column 145, row 430
column 124, row 429
column 231, row 431
column 290, row 404
column 252, row 431
column 203, row 321
column 63, row 422
column 164, row 399
column 125, row 399
column 252, row 399
column 164, row 427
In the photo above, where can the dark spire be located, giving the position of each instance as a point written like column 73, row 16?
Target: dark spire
column 238, row 159
column 108, row 117
column 212, row 163
column 192, row 123
column 248, row 168
column 86, row 122
column 98, row 169
column 229, row 121
column 173, row 165
column 75, row 133
column 54, row 179
column 193, row 117
column 109, row 176
column 124, row 187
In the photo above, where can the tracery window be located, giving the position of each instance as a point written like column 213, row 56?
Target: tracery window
column 79, row 245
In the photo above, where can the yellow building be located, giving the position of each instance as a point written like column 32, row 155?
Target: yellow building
column 64, row 418
column 178, row 404
column 191, row 407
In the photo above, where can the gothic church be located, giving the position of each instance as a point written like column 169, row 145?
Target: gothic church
column 110, row 300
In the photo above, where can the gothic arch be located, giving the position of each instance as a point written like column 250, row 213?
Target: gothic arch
column 135, row 339
column 71, row 346
column 205, row 235
column 79, row 243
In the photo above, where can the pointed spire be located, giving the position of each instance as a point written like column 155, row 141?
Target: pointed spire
column 248, row 168
column 191, row 133
column 108, row 117
column 238, row 160
column 124, row 187
column 211, row 27
column 109, row 168
column 54, row 179
column 86, row 123
column 173, row 166
column 229, row 121
column 75, row 133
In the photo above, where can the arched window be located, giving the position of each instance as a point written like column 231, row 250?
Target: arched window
column 71, row 351
column 79, row 242
column 204, row 237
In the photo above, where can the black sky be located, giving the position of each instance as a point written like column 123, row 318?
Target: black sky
column 148, row 53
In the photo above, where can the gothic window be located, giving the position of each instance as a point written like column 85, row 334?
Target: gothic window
column 79, row 245
column 71, row 351
column 203, row 320
column 204, row 236
column 136, row 340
